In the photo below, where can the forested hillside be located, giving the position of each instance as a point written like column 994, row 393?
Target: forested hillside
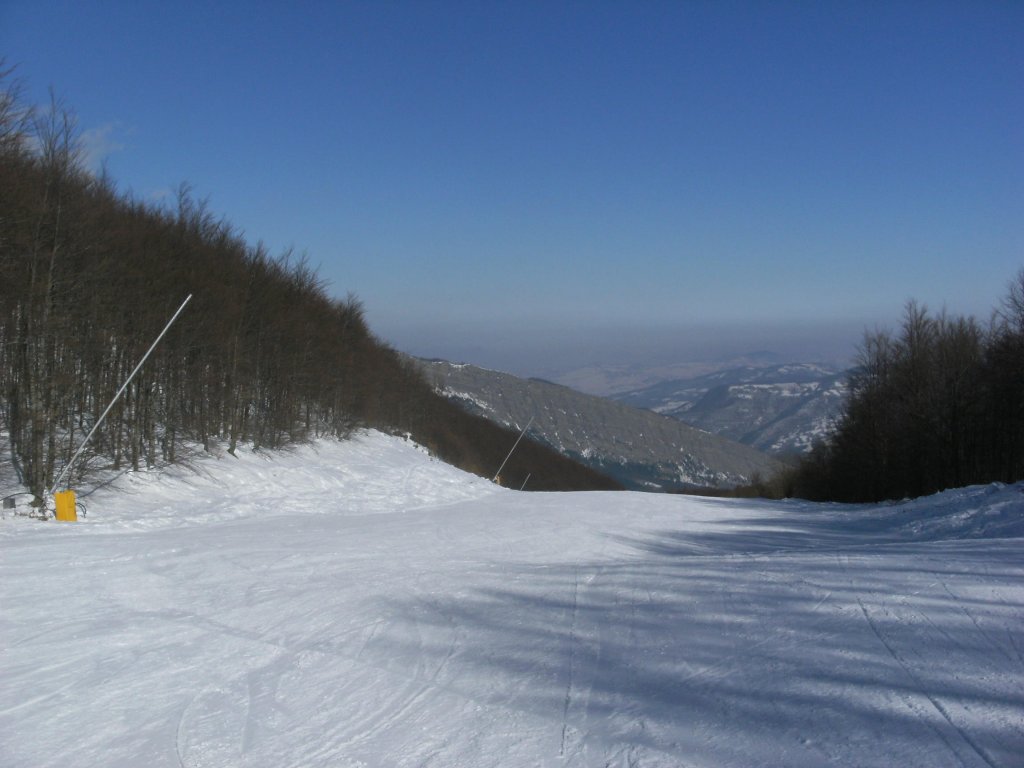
column 938, row 405
column 262, row 355
column 779, row 409
column 640, row 449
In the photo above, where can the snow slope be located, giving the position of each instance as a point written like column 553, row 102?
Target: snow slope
column 360, row 604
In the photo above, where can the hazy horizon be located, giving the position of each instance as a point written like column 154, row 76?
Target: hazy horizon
column 554, row 352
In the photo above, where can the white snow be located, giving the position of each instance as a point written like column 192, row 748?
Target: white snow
column 361, row 604
column 454, row 394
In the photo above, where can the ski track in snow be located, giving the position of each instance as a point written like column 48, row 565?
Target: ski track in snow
column 362, row 605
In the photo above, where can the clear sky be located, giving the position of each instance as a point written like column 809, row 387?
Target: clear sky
column 535, row 185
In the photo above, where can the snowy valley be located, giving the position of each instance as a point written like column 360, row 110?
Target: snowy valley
column 361, row 604
column 641, row 449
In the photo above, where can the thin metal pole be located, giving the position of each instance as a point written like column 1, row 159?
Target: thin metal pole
column 67, row 467
column 495, row 478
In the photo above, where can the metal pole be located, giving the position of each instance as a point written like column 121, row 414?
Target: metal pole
column 67, row 467
column 495, row 478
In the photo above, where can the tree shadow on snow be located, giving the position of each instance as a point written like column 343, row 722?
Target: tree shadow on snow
column 784, row 641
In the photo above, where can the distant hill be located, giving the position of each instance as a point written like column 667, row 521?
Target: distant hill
column 641, row 449
column 779, row 409
column 611, row 379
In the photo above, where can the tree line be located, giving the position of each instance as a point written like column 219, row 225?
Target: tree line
column 937, row 405
column 263, row 355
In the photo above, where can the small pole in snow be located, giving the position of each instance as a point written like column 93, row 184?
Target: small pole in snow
column 495, row 478
column 525, row 481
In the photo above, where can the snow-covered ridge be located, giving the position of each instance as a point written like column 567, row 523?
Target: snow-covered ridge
column 779, row 408
column 467, row 397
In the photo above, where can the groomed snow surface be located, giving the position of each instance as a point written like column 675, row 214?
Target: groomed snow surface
column 361, row 604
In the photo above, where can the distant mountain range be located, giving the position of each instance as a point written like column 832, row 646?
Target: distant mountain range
column 639, row 448
column 609, row 380
column 779, row 409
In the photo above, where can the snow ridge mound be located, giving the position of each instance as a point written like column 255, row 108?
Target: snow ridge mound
column 371, row 473
column 994, row 511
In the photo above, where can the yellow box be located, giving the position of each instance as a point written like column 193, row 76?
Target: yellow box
column 65, row 501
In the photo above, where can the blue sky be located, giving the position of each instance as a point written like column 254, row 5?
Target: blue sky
column 539, row 185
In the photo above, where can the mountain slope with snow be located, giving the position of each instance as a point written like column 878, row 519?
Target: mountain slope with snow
column 362, row 604
column 779, row 409
column 640, row 449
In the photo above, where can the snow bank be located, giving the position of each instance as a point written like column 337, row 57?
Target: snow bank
column 372, row 473
column 990, row 511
